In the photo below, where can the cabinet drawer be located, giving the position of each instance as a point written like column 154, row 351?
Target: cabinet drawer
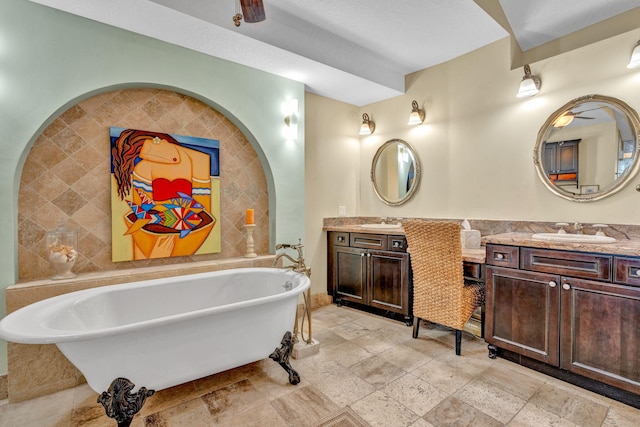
column 473, row 270
column 338, row 238
column 575, row 264
column 502, row 256
column 397, row 243
column 627, row 270
column 369, row 241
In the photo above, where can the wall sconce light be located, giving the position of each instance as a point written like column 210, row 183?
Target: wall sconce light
column 368, row 126
column 416, row 116
column 530, row 84
column 635, row 57
column 291, row 119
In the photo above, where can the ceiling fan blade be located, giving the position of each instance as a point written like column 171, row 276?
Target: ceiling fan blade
column 252, row 10
column 581, row 117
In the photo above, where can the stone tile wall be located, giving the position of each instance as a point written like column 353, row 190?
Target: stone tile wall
column 66, row 178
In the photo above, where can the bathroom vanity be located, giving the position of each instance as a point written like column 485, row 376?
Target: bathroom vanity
column 569, row 310
column 371, row 270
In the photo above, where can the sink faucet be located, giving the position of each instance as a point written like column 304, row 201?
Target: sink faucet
column 578, row 227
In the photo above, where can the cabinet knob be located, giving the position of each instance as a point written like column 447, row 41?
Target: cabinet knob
column 368, row 255
column 499, row 256
column 362, row 254
column 552, row 284
column 566, row 286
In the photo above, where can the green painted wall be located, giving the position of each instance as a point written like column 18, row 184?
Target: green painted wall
column 49, row 60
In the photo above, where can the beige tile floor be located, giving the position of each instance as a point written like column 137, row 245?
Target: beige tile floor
column 366, row 362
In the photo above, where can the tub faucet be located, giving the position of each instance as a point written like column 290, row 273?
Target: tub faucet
column 296, row 265
column 578, row 227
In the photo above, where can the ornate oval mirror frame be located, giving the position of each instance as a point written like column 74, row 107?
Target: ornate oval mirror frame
column 586, row 138
column 395, row 172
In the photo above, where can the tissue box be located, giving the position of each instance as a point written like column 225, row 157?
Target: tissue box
column 470, row 239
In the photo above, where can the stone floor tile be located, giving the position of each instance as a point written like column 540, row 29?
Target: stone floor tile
column 533, row 416
column 226, row 403
column 428, row 346
column 344, row 387
column 350, row 330
column 453, row 412
column 304, row 406
column 491, row 399
column 513, row 381
column 404, row 357
column 56, row 405
column 377, row 371
column 347, row 354
column 415, row 393
column 622, row 416
column 187, row 414
column 442, row 375
column 327, row 337
column 381, row 410
column 570, row 406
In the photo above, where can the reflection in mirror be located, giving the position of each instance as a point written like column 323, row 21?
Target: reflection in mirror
column 588, row 149
column 395, row 172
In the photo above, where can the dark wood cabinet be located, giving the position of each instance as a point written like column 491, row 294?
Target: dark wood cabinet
column 599, row 332
column 371, row 270
column 565, row 309
column 560, row 160
column 522, row 311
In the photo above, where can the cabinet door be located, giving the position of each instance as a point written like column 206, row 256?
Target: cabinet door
column 389, row 281
column 522, row 312
column 350, row 275
column 567, row 157
column 599, row 334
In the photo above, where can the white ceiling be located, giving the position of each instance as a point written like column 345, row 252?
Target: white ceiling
column 355, row 51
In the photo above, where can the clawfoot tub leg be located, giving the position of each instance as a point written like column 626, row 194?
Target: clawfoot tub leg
column 120, row 404
column 281, row 355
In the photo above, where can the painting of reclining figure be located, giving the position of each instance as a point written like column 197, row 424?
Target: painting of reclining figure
column 165, row 195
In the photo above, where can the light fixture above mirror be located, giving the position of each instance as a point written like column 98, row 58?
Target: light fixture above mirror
column 416, row 116
column 530, row 84
column 368, row 126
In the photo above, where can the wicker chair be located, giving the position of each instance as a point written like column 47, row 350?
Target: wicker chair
column 440, row 294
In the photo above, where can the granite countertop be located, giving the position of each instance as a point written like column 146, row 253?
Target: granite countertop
column 469, row 255
column 619, row 247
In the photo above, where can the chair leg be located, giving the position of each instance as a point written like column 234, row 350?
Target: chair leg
column 458, row 341
column 416, row 326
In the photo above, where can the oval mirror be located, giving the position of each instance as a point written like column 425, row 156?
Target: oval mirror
column 588, row 148
column 395, row 172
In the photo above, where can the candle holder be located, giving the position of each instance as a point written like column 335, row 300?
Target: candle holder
column 250, row 250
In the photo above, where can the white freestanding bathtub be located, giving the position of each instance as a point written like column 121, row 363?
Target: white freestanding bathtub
column 163, row 332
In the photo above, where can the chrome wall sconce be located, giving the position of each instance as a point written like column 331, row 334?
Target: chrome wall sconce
column 530, row 84
column 291, row 118
column 416, row 116
column 368, row 126
column 635, row 57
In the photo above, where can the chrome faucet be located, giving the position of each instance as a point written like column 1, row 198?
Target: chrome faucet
column 578, row 227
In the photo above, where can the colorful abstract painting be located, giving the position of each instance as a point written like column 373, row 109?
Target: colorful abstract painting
column 165, row 195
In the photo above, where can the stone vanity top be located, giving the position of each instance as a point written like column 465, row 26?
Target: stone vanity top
column 620, row 247
column 469, row 255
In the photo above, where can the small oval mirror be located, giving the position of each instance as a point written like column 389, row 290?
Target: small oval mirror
column 395, row 172
column 588, row 148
